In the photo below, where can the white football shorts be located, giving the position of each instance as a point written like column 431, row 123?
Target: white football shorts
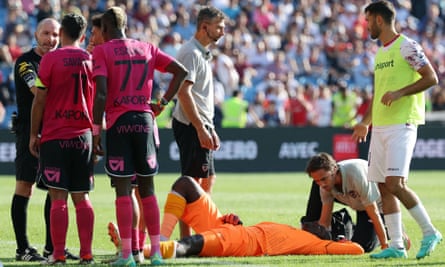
column 390, row 151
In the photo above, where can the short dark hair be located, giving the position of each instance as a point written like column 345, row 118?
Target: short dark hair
column 321, row 161
column 383, row 8
column 209, row 13
column 96, row 20
column 74, row 25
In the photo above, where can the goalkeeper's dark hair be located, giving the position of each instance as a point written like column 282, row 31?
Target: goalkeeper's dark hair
column 321, row 161
column 74, row 25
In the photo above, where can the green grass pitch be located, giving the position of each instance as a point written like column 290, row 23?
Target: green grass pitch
column 255, row 197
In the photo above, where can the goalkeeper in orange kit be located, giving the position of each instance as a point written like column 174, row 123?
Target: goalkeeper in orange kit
column 224, row 235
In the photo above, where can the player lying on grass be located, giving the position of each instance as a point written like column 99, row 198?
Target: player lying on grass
column 220, row 236
column 224, row 235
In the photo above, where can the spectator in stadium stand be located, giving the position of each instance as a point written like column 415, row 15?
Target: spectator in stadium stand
column 183, row 25
column 320, row 25
column 361, row 67
column 344, row 106
column 263, row 16
column 256, row 111
column 271, row 118
column 438, row 99
column 44, row 10
column 171, row 43
column 323, row 107
column 280, row 64
column 14, row 49
column 298, row 108
column 225, row 71
column 235, row 111
column 232, row 10
column 366, row 99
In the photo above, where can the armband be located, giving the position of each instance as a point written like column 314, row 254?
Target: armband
column 96, row 129
column 39, row 84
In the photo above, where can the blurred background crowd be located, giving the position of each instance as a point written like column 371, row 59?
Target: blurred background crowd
column 281, row 62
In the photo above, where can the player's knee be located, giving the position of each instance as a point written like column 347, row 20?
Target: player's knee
column 24, row 189
column 396, row 189
column 180, row 183
column 187, row 187
column 184, row 185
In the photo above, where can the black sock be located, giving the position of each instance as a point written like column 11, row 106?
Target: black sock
column 48, row 243
column 19, row 212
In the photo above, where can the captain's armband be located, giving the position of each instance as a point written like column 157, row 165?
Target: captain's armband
column 39, row 84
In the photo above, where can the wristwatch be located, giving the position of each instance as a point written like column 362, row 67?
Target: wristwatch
column 163, row 102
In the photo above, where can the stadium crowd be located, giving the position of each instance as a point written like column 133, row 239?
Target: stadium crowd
column 289, row 62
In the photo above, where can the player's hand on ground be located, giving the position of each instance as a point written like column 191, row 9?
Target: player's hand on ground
column 231, row 219
column 34, row 145
column 360, row 132
column 316, row 229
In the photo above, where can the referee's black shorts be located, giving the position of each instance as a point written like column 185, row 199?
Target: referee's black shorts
column 26, row 164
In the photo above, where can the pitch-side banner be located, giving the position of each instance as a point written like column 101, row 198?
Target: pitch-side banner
column 273, row 149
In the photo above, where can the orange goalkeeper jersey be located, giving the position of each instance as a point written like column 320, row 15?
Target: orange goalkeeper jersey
column 268, row 238
column 202, row 214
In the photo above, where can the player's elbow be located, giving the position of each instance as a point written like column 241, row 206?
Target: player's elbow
column 434, row 79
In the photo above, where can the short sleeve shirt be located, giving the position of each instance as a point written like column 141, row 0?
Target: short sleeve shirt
column 196, row 60
column 67, row 75
column 129, row 67
column 357, row 192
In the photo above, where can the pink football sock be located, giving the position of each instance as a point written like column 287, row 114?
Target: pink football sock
column 59, row 226
column 85, row 226
column 124, row 208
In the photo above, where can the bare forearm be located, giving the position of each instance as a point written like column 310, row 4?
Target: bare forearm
column 421, row 85
column 36, row 117
column 179, row 73
column 98, row 109
column 367, row 118
column 38, row 106
column 377, row 221
column 99, row 100
column 326, row 215
column 188, row 105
